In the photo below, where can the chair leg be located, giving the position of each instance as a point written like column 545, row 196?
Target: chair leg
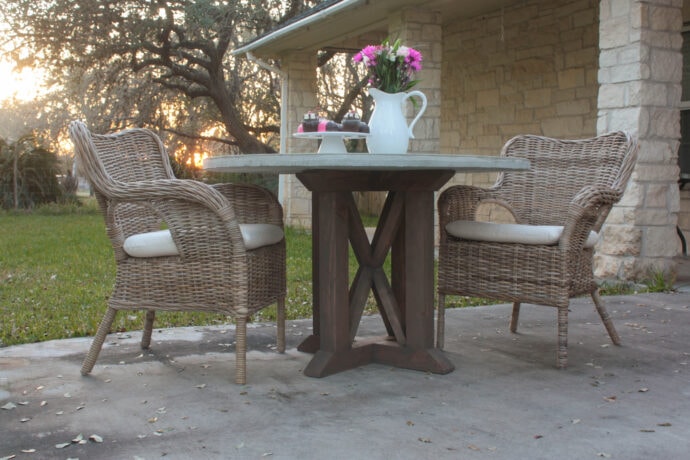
column 148, row 328
column 441, row 321
column 562, row 355
column 241, row 350
column 280, row 320
column 97, row 344
column 515, row 317
column 608, row 322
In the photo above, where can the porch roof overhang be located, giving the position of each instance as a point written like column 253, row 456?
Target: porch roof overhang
column 334, row 21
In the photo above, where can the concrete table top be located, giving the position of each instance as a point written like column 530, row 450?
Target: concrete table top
column 294, row 163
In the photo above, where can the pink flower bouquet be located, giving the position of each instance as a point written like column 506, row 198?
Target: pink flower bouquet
column 390, row 67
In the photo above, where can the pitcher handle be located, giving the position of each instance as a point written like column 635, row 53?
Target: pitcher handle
column 421, row 110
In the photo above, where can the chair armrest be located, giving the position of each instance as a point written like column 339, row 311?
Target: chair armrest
column 201, row 220
column 167, row 189
column 460, row 202
column 587, row 211
column 252, row 204
column 596, row 196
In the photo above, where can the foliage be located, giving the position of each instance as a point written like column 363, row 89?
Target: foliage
column 28, row 174
column 391, row 66
column 658, row 282
column 57, row 270
column 341, row 83
column 163, row 64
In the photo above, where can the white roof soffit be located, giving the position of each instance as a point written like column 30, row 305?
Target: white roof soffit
column 335, row 24
column 290, row 29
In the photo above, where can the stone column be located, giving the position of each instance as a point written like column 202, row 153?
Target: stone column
column 640, row 74
column 422, row 29
column 301, row 70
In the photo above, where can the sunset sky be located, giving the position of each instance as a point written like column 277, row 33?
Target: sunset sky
column 24, row 86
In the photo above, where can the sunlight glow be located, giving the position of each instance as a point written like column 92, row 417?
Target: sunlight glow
column 24, row 86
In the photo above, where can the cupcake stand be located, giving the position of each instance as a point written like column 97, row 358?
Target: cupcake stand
column 332, row 141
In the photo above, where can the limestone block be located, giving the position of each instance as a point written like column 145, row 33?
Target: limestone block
column 621, row 215
column 633, row 119
column 650, row 172
column 613, row 33
column 576, row 107
column 580, row 57
column 666, row 19
column 612, row 96
column 487, row 98
column 653, row 217
column 647, row 93
column 606, row 267
column 628, row 72
column 620, row 240
column 537, row 98
column 300, row 208
column 664, row 122
column 571, row 78
column 666, row 65
column 660, row 241
column 656, row 196
column 563, row 127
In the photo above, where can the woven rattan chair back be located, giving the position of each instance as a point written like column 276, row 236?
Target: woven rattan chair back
column 213, row 270
column 570, row 183
column 559, row 170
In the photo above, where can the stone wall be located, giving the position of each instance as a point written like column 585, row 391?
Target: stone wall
column 641, row 70
column 301, row 70
column 420, row 29
column 530, row 68
column 562, row 69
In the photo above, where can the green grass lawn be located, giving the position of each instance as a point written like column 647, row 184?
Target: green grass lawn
column 57, row 270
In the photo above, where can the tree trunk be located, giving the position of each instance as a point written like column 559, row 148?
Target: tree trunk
column 15, row 174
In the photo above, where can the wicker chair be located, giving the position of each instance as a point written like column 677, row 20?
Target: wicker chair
column 223, row 250
column 545, row 256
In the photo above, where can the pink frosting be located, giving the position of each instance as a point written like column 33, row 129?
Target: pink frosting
column 322, row 125
column 300, row 128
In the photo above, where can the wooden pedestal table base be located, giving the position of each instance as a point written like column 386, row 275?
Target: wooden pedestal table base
column 405, row 229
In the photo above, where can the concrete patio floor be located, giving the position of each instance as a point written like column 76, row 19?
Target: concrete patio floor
column 505, row 400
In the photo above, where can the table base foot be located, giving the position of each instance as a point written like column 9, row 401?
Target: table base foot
column 379, row 350
column 310, row 344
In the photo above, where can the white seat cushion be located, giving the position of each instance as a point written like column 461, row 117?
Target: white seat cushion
column 511, row 233
column 160, row 243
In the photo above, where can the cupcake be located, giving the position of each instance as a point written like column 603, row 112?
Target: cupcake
column 351, row 122
column 310, row 122
column 333, row 126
